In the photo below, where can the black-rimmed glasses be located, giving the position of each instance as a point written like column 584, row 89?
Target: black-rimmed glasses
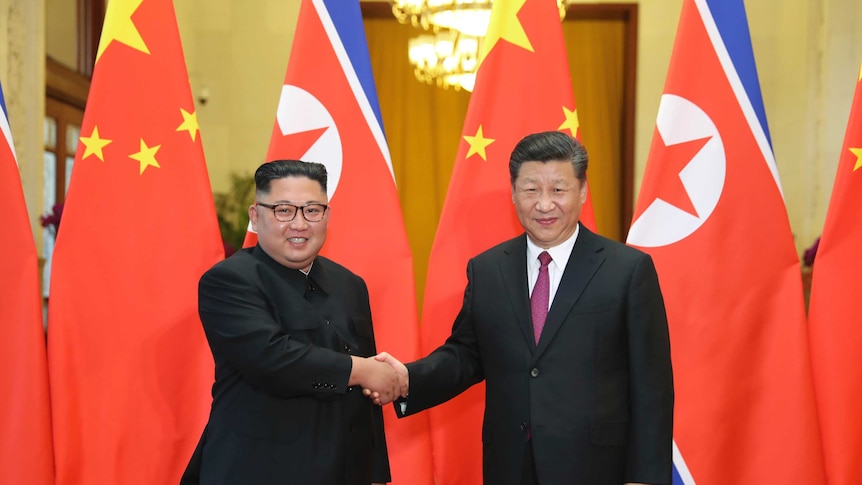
column 287, row 212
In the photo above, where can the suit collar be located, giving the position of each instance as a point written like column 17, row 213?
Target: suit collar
column 513, row 268
column 294, row 277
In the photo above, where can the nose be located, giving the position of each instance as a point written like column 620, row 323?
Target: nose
column 298, row 222
column 545, row 202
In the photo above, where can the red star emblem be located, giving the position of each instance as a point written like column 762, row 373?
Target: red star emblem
column 666, row 163
column 296, row 145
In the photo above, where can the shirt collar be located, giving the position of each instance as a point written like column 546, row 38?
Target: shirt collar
column 560, row 253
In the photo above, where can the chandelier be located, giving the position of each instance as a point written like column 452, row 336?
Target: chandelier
column 448, row 55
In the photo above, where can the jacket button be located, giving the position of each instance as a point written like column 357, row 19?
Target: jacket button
column 523, row 426
column 347, row 348
column 534, row 372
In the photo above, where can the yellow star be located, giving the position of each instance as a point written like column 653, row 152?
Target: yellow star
column 858, row 153
column 190, row 123
column 504, row 25
column 860, row 73
column 147, row 156
column 94, row 145
column 571, row 122
column 119, row 27
column 478, row 144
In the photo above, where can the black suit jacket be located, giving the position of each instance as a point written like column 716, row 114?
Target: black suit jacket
column 282, row 412
column 595, row 396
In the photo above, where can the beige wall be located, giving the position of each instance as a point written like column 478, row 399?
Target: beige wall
column 808, row 54
column 22, row 72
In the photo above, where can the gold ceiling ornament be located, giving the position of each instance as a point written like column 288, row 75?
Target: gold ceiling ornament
column 448, row 55
column 446, row 58
column 466, row 16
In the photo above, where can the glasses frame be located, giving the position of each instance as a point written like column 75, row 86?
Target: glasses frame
column 299, row 208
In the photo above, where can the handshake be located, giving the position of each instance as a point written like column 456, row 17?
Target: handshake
column 382, row 377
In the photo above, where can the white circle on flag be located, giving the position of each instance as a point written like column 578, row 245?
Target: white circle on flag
column 298, row 112
column 678, row 121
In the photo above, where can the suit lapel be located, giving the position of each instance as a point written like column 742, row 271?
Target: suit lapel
column 583, row 263
column 513, row 269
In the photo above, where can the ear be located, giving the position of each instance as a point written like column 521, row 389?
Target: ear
column 584, row 192
column 252, row 216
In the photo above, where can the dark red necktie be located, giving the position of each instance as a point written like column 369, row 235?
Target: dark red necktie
column 541, row 295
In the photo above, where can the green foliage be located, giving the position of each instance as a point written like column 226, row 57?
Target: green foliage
column 232, row 209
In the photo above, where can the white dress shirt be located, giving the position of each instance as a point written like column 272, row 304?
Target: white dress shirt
column 560, row 257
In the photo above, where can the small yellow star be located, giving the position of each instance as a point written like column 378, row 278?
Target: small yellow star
column 860, row 73
column 93, row 145
column 504, row 25
column 147, row 156
column 190, row 123
column 119, row 27
column 858, row 153
column 572, row 124
column 478, row 144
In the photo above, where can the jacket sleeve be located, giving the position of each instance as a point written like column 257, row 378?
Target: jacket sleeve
column 651, row 379
column 450, row 369
column 242, row 331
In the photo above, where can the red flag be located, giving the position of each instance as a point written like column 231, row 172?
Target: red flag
column 328, row 113
column 129, row 364
column 522, row 87
column 26, row 455
column 712, row 216
column 834, row 322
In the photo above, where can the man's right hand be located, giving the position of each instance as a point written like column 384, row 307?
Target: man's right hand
column 378, row 377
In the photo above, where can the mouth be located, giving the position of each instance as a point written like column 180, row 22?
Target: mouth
column 297, row 240
column 546, row 221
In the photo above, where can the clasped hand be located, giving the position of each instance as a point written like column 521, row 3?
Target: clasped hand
column 382, row 377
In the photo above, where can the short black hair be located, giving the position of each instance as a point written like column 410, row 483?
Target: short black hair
column 279, row 169
column 549, row 146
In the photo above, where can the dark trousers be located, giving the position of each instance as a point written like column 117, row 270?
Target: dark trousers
column 529, row 475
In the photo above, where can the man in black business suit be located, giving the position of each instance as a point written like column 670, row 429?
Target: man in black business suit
column 291, row 336
column 581, row 394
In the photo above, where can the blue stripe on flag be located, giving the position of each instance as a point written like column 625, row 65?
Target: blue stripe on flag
column 346, row 15
column 3, row 103
column 732, row 24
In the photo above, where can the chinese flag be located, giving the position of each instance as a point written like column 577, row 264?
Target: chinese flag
column 328, row 113
column 834, row 322
column 711, row 214
column 26, row 455
column 522, row 87
column 129, row 364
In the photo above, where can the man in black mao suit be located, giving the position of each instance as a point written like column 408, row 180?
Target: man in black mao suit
column 290, row 333
column 592, row 402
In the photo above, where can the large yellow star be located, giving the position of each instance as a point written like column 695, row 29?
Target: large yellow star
column 93, row 144
column 572, row 124
column 147, row 156
column 119, row 27
column 478, row 144
column 190, row 123
column 858, row 153
column 504, row 25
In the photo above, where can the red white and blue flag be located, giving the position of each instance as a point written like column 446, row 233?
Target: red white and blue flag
column 328, row 113
column 712, row 215
column 26, row 452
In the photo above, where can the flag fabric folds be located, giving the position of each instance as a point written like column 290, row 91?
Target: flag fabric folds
column 522, row 87
column 129, row 364
column 833, row 317
column 26, row 454
column 328, row 113
column 711, row 214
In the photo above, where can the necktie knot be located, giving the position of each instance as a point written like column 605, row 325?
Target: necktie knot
column 545, row 258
